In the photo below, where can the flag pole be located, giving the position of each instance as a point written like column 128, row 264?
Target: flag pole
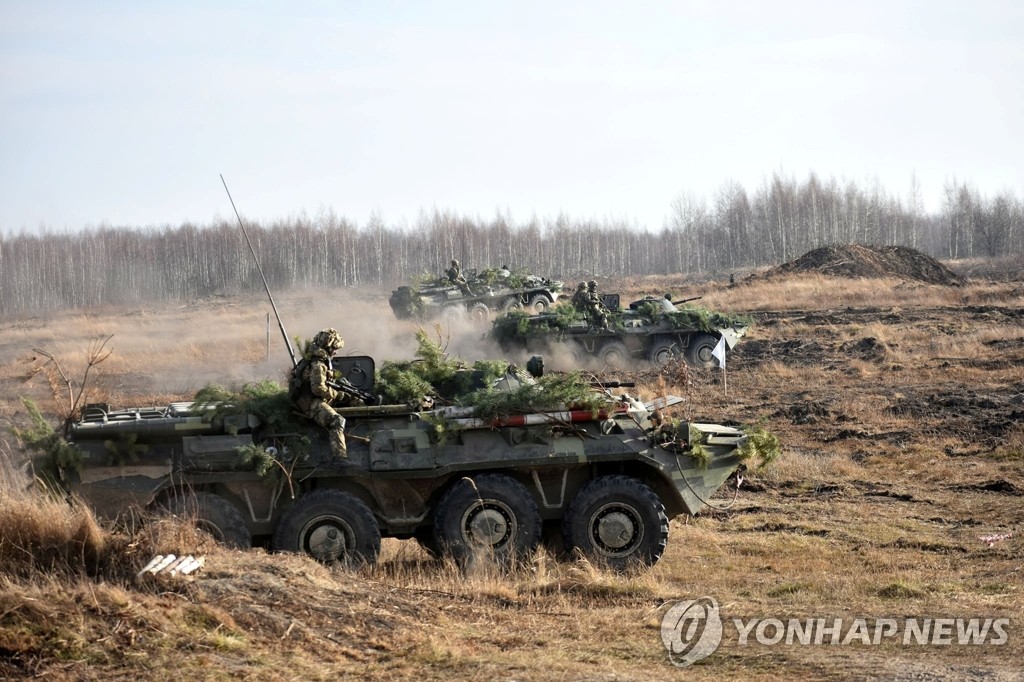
column 719, row 354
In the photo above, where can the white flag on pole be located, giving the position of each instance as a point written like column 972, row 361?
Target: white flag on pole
column 719, row 352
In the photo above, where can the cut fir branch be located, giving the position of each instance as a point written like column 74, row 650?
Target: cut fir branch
column 56, row 455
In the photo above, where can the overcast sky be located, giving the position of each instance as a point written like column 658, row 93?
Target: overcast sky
column 125, row 113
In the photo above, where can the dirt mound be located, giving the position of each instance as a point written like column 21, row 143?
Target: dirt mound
column 856, row 260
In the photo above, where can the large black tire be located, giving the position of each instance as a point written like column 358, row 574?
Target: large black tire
column 614, row 355
column 662, row 351
column 539, row 303
column 491, row 515
column 480, row 313
column 331, row 526
column 699, row 354
column 214, row 515
column 617, row 521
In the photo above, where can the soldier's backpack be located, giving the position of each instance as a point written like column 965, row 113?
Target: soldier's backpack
column 295, row 382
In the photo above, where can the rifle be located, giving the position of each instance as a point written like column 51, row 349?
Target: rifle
column 344, row 386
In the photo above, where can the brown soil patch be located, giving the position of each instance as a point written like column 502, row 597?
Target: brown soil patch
column 857, row 260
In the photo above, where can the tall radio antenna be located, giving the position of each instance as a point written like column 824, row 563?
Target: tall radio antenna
column 280, row 324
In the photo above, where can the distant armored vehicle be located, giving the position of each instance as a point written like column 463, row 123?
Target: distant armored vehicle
column 644, row 331
column 606, row 480
column 483, row 294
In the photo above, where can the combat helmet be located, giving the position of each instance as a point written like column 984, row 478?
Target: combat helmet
column 329, row 339
column 592, row 285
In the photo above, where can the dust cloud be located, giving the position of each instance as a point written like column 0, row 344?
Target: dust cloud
column 169, row 351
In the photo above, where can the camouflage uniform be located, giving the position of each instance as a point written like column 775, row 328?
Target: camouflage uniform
column 581, row 300
column 315, row 396
column 667, row 306
column 598, row 313
column 455, row 277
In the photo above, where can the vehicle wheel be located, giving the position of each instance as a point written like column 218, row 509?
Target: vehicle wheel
column 511, row 304
column 489, row 515
column 329, row 525
column 538, row 304
column 480, row 313
column 617, row 521
column 214, row 515
column 614, row 355
column 450, row 313
column 578, row 354
column 699, row 352
column 663, row 351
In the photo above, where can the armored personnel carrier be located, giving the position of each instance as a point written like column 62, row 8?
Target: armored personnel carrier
column 484, row 294
column 607, row 480
column 644, row 331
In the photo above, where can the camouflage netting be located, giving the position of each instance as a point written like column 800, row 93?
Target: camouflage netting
column 520, row 278
column 553, row 392
column 265, row 399
column 433, row 374
column 518, row 325
column 407, row 302
column 450, row 380
column 55, row 455
column 692, row 317
column 517, row 279
column 762, row 446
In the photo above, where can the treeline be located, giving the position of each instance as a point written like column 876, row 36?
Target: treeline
column 777, row 222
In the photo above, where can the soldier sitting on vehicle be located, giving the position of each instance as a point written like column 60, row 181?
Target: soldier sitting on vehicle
column 598, row 312
column 667, row 306
column 311, row 390
column 581, row 300
column 456, row 277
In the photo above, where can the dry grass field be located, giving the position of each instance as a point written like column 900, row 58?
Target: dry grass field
column 900, row 406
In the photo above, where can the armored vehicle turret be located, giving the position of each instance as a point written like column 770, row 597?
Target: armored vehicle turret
column 606, row 479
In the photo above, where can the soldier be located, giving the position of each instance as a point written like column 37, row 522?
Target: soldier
column 312, row 393
column 580, row 300
column 598, row 313
column 667, row 306
column 455, row 277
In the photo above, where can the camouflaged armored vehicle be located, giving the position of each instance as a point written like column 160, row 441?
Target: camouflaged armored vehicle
column 607, row 480
column 484, row 294
column 645, row 331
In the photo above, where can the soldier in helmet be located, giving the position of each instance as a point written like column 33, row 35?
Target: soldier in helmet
column 312, row 393
column 456, row 277
column 581, row 300
column 598, row 312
